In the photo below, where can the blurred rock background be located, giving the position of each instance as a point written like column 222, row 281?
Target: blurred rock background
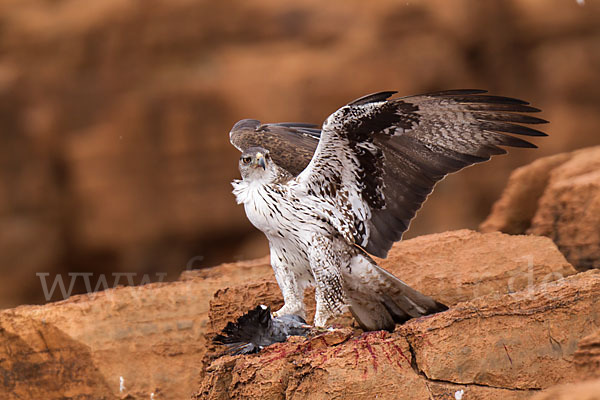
column 114, row 114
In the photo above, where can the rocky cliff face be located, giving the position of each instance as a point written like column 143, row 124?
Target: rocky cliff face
column 521, row 320
column 114, row 115
column 508, row 347
column 558, row 197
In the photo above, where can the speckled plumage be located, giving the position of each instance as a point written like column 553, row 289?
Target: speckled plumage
column 375, row 161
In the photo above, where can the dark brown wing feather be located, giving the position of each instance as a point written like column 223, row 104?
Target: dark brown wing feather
column 451, row 130
column 291, row 144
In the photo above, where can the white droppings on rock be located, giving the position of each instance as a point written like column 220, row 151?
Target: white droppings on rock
column 459, row 394
column 121, row 384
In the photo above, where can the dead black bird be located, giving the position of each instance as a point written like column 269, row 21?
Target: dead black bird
column 257, row 329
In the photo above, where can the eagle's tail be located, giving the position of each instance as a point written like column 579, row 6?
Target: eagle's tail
column 378, row 300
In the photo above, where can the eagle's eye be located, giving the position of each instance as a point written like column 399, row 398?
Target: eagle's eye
column 246, row 159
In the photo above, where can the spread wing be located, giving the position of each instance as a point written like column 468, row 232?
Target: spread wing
column 379, row 159
column 291, row 144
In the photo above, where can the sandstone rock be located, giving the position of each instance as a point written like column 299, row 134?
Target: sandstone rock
column 576, row 391
column 231, row 272
column 152, row 337
column 569, row 210
column 505, row 348
column 156, row 338
column 452, row 267
column 463, row 265
column 525, row 340
column 587, row 356
column 40, row 361
column 557, row 197
column 513, row 212
column 374, row 365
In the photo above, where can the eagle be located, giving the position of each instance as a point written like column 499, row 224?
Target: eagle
column 327, row 199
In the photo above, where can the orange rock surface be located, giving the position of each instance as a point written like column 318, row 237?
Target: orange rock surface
column 508, row 347
column 558, row 197
column 156, row 338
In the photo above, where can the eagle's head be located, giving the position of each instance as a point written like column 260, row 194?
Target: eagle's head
column 256, row 165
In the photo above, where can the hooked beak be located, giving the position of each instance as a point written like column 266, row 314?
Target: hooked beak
column 260, row 160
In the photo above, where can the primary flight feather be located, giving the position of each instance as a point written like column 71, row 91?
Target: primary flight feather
column 328, row 198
